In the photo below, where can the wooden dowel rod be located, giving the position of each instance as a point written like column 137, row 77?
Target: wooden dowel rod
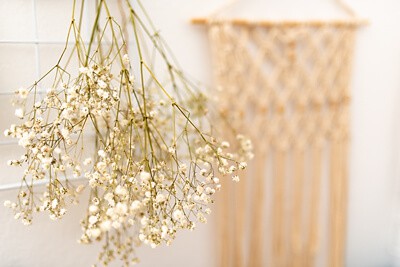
column 268, row 23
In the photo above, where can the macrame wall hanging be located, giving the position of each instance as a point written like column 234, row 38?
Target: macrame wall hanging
column 286, row 84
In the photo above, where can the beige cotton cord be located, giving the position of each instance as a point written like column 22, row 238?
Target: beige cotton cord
column 286, row 85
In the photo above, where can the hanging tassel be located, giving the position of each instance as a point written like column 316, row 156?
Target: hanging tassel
column 225, row 238
column 257, row 250
column 313, row 237
column 297, row 207
column 278, row 218
column 239, row 231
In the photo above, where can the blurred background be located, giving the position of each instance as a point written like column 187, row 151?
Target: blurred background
column 32, row 34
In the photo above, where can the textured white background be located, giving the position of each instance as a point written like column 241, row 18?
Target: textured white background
column 375, row 126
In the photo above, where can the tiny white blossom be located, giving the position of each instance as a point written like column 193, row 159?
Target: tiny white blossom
column 101, row 153
column 121, row 209
column 120, row 190
column 19, row 112
column 105, row 225
column 7, row 204
column 87, row 161
column 142, row 237
column 144, row 221
column 160, row 198
column 171, row 150
column 84, row 110
column 93, row 208
column 235, row 178
column 125, row 59
column 95, row 232
column 225, row 144
column 54, row 203
column 147, row 194
column 135, row 205
column 93, row 219
column 178, row 215
column 242, row 165
column 145, row 176
column 7, row 132
column 22, row 93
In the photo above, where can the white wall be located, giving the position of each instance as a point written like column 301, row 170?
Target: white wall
column 375, row 157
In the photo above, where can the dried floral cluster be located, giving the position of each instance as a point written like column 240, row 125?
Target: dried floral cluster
column 144, row 150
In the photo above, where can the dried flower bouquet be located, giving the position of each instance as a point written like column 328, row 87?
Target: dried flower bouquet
column 156, row 157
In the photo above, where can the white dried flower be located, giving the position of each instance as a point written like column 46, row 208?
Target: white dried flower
column 136, row 205
column 93, row 208
column 145, row 176
column 7, row 204
column 22, row 93
column 105, row 225
column 101, row 153
column 19, row 112
column 225, row 144
column 160, row 198
column 93, row 219
column 54, row 203
column 125, row 59
column 94, row 232
column 242, row 165
column 120, row 190
column 171, row 150
column 87, row 161
column 121, row 209
column 178, row 215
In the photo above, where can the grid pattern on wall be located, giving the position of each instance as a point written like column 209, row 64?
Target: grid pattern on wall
column 31, row 41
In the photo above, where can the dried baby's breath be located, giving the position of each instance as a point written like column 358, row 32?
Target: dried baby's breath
column 144, row 149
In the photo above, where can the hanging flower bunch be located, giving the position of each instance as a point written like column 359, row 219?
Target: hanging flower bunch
column 142, row 146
